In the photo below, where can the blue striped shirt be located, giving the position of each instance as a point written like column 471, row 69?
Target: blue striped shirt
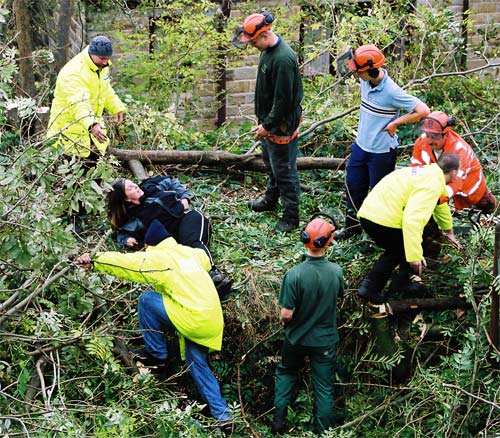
column 379, row 106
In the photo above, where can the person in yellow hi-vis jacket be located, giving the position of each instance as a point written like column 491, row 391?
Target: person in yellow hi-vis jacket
column 83, row 92
column 394, row 215
column 184, row 300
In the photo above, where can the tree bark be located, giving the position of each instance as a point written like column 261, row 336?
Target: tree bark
column 221, row 159
column 63, row 31
column 24, row 44
column 137, row 169
column 426, row 304
column 220, row 67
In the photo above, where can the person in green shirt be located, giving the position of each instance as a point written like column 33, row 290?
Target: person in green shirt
column 278, row 93
column 308, row 302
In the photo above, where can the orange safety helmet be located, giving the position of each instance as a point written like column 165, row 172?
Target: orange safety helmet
column 366, row 57
column 317, row 234
column 255, row 24
column 438, row 122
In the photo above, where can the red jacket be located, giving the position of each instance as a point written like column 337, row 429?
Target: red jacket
column 469, row 186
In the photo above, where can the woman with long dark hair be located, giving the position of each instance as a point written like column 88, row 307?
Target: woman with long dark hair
column 132, row 208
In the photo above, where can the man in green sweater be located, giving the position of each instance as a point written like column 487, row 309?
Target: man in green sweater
column 278, row 93
column 308, row 302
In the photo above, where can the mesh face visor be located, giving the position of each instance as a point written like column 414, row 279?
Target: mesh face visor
column 240, row 38
column 343, row 70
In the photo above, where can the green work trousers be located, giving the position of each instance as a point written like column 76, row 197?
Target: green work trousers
column 322, row 361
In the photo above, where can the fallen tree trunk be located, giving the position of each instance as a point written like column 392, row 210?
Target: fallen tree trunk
column 426, row 304
column 226, row 160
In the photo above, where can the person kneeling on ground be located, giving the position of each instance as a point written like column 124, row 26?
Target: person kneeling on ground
column 132, row 208
column 394, row 215
column 184, row 300
column 308, row 301
column 469, row 188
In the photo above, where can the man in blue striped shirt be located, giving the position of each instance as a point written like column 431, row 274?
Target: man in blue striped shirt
column 373, row 154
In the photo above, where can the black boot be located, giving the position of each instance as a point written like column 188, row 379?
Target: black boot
column 263, row 204
column 162, row 368
column 410, row 285
column 369, row 291
column 278, row 427
column 287, row 224
column 221, row 282
column 226, row 427
column 344, row 234
column 416, row 287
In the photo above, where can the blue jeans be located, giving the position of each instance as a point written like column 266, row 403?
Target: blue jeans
column 281, row 166
column 153, row 321
column 364, row 171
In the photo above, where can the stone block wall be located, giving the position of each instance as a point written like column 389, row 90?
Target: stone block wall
column 242, row 70
column 485, row 17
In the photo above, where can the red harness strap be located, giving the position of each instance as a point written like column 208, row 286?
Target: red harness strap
column 284, row 139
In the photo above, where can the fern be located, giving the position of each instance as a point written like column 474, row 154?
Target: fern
column 101, row 347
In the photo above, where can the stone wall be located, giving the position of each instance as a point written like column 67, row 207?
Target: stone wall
column 485, row 17
column 242, row 70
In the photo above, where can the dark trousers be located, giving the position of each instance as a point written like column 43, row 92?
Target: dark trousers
column 283, row 182
column 391, row 240
column 322, row 361
column 193, row 230
column 364, row 171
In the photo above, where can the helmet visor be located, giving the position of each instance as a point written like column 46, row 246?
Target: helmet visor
column 343, row 64
column 240, row 38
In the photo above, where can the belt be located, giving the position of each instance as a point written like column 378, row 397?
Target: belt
column 285, row 139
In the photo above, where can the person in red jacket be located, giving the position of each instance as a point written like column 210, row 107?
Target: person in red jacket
column 438, row 137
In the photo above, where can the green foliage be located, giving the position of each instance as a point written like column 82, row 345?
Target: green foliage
column 186, row 46
column 398, row 376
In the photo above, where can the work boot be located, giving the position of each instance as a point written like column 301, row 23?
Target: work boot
column 344, row 234
column 278, row 427
column 159, row 367
column 286, row 225
column 221, row 282
column 416, row 287
column 408, row 285
column 347, row 233
column 366, row 291
column 263, row 204
column 226, row 427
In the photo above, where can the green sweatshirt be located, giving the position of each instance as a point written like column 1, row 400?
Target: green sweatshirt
column 278, row 91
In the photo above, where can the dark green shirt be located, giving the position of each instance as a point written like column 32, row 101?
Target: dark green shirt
column 278, row 91
column 311, row 290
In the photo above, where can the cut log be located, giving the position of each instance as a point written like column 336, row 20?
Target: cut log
column 426, row 304
column 226, row 160
column 138, row 169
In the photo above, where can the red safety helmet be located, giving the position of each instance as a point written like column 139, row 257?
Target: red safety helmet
column 365, row 58
column 252, row 27
column 317, row 234
column 438, row 122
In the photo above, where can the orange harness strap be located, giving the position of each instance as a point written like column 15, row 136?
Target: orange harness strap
column 285, row 139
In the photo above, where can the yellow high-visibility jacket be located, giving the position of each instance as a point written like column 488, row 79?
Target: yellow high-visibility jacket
column 82, row 94
column 406, row 199
column 179, row 274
